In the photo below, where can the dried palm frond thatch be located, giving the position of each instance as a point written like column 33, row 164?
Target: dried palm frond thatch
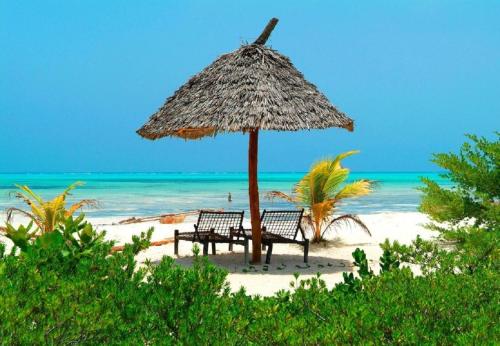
column 252, row 87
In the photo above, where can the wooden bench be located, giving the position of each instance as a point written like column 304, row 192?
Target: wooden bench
column 215, row 227
column 283, row 227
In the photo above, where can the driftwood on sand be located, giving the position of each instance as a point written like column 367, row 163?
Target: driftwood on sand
column 153, row 243
column 164, row 218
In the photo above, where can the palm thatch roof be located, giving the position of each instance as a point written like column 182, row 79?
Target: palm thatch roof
column 254, row 87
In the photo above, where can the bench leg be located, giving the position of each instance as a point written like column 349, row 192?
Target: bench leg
column 306, row 251
column 176, row 242
column 212, row 232
column 263, row 246
column 205, row 247
column 269, row 253
column 246, row 250
column 231, row 243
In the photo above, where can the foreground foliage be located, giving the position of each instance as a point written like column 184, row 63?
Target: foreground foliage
column 320, row 192
column 467, row 215
column 475, row 197
column 59, row 292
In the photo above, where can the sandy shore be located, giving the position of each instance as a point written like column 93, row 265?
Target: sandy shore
column 330, row 260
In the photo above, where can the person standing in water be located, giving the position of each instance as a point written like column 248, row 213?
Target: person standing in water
column 229, row 198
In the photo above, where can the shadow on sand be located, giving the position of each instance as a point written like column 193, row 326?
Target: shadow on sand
column 281, row 264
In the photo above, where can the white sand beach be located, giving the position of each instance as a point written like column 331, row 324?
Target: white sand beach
column 329, row 260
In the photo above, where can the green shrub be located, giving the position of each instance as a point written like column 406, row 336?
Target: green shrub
column 56, row 296
column 467, row 215
column 475, row 195
column 393, row 307
column 106, row 298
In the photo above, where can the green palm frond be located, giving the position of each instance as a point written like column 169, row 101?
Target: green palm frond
column 356, row 189
column 336, row 162
column 322, row 188
column 334, row 179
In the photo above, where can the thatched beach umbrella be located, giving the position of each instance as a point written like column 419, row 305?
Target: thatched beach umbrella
column 253, row 88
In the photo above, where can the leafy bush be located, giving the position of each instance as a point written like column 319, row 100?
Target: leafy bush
column 74, row 237
column 394, row 307
column 475, row 197
column 467, row 215
column 105, row 298
column 54, row 295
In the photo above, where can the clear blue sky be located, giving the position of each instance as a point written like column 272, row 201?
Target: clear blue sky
column 77, row 78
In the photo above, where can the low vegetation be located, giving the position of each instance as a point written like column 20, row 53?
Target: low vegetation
column 67, row 287
column 467, row 215
column 321, row 190
column 47, row 215
column 474, row 199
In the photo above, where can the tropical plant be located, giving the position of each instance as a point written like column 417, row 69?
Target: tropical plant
column 107, row 298
column 320, row 192
column 47, row 215
column 75, row 238
column 467, row 215
column 475, row 196
column 20, row 236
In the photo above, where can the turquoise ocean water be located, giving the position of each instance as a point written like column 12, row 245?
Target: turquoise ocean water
column 142, row 194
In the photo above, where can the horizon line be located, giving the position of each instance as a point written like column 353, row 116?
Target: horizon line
column 202, row 172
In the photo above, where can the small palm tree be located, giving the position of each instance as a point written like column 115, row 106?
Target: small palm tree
column 47, row 215
column 321, row 190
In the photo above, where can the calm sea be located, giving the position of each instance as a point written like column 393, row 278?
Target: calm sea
column 141, row 194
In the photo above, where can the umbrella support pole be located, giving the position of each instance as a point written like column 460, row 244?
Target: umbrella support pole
column 253, row 191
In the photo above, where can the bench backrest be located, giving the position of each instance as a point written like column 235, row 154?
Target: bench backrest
column 285, row 223
column 220, row 221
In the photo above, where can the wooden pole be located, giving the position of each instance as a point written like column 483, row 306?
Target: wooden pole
column 253, row 192
column 253, row 185
column 262, row 39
